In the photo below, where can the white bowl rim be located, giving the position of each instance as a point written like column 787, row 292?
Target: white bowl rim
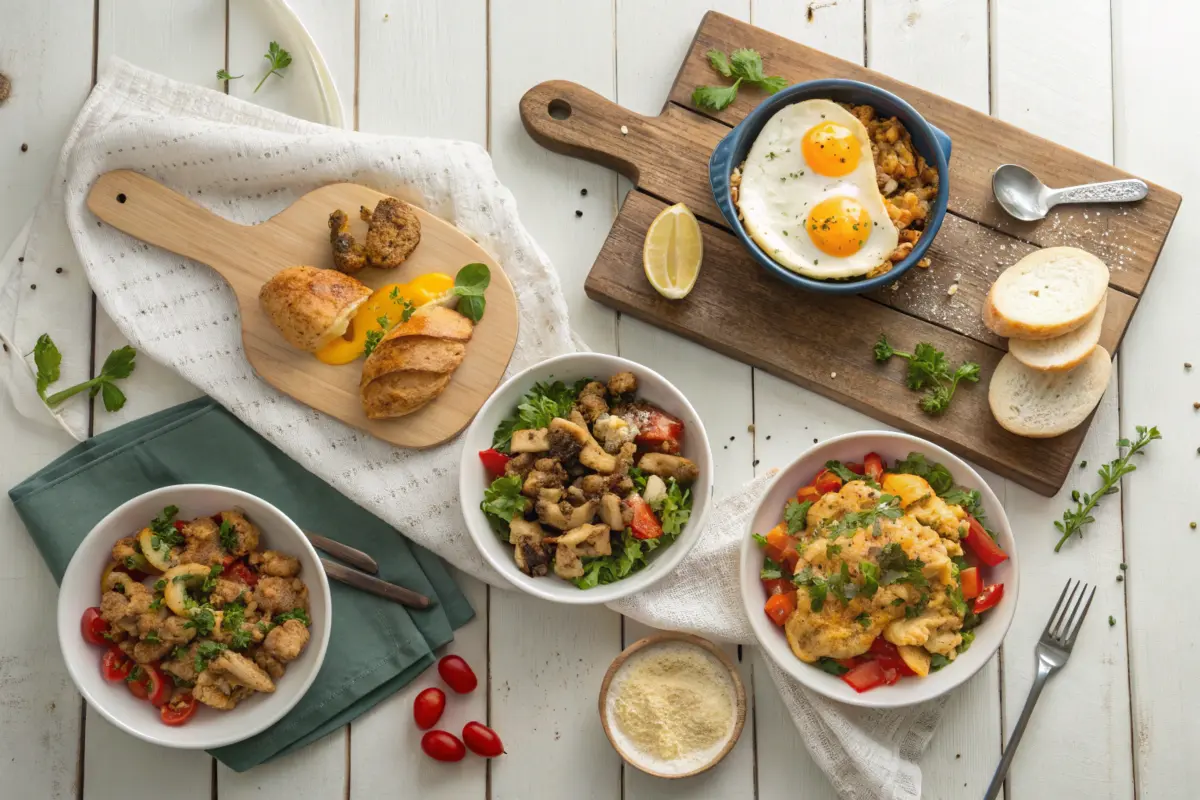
column 881, row 698
column 671, row 556
column 259, row 723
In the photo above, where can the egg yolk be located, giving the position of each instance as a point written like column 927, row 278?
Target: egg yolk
column 838, row 226
column 387, row 302
column 831, row 149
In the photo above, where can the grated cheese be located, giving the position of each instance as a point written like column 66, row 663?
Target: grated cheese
column 674, row 703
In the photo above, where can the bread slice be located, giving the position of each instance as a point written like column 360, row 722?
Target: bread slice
column 1062, row 352
column 1041, row 405
column 414, row 362
column 1046, row 294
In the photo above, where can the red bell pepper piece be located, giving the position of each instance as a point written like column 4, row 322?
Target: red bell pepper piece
column 866, row 676
column 781, row 549
column 494, row 461
column 807, row 493
column 971, row 583
column 780, row 606
column 826, row 482
column 659, row 431
column 774, row 586
column 982, row 545
column 873, row 465
column 989, row 597
column 645, row 524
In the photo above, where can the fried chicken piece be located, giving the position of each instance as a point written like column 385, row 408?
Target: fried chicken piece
column 244, row 529
column 125, row 548
column 271, row 562
column 202, row 542
column 591, row 402
column 277, row 595
column 348, row 255
column 393, row 232
column 285, row 642
column 184, row 667
column 229, row 678
column 225, row 592
column 622, row 383
column 269, row 664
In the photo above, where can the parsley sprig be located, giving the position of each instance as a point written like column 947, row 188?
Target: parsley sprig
column 929, row 371
column 278, row 58
column 744, row 66
column 118, row 365
column 1074, row 520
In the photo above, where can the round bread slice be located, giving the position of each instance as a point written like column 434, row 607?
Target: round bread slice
column 1062, row 352
column 1046, row 294
column 311, row 307
column 1041, row 405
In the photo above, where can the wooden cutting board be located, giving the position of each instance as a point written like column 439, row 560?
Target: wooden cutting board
column 822, row 342
column 247, row 256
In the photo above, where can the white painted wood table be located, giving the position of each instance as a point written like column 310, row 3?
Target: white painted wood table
column 1113, row 80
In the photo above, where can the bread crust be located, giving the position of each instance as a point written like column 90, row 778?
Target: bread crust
column 1064, row 352
column 414, row 363
column 311, row 307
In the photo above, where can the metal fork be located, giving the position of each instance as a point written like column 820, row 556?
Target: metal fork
column 1052, row 651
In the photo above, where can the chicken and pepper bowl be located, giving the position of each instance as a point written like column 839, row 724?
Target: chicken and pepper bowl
column 589, row 475
column 207, row 604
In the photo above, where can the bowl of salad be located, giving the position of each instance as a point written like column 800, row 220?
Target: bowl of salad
column 879, row 570
column 585, row 478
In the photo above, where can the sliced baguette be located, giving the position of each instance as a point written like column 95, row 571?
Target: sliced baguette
column 1062, row 352
column 1046, row 294
column 1041, row 405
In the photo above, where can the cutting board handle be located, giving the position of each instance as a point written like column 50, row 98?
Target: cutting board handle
column 573, row 120
column 147, row 210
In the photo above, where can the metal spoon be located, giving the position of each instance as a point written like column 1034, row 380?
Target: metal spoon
column 1023, row 195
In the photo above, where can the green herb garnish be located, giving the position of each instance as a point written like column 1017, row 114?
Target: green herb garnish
column 278, row 59
column 118, row 365
column 503, row 499
column 929, row 371
column 744, row 66
column 469, row 284
column 295, row 613
column 796, row 515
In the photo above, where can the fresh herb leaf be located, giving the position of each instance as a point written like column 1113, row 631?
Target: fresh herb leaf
column 223, row 75
column 914, row 611
column 842, row 585
column 744, row 65
column 842, row 471
column 206, row 652
column 240, row 639
column 163, row 527
column 278, row 59
column 152, row 638
column 229, row 537
column 210, row 582
column 816, row 595
column 827, row 664
column 870, row 573
column 796, row 515
column 470, row 284
column 897, row 567
column 888, row 507
column 863, row 619
column 1074, row 520
column 967, row 638
column 937, row 661
column 373, row 340
column 759, row 539
column 118, row 365
column 503, row 499
column 936, row 475
column 48, row 360
column 720, row 62
column 295, row 613
column 770, row 570
column 715, row 98
column 676, row 508
column 203, row 620
column 929, row 371
column 542, row 403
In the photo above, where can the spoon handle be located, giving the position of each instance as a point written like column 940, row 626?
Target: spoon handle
column 1122, row 191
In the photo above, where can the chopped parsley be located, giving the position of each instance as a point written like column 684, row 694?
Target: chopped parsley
column 796, row 515
column 229, row 537
column 163, row 527
column 542, row 403
column 863, row 619
column 152, row 638
column 896, row 567
column 295, row 613
column 842, row 471
column 937, row 661
column 936, row 475
column 203, row 620
column 827, row 664
column 206, row 652
column 770, row 570
column 210, row 582
column 870, row 573
column 888, row 507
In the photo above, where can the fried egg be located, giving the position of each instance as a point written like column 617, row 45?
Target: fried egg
column 808, row 194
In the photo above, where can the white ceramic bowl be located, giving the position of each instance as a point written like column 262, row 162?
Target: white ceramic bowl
column 473, row 479
column 907, row 691
column 208, row 728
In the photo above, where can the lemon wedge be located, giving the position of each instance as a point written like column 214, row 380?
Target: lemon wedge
column 673, row 251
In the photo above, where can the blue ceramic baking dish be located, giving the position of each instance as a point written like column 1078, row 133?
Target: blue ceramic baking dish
column 930, row 142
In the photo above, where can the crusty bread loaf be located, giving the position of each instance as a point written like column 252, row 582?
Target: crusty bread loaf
column 1062, row 352
column 311, row 307
column 1041, row 405
column 413, row 364
column 1046, row 294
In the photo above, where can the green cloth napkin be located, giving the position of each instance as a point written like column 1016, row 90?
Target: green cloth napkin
column 375, row 647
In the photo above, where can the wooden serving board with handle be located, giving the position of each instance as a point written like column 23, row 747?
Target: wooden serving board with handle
column 247, row 256
column 824, row 342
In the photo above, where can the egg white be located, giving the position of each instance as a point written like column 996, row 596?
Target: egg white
column 779, row 188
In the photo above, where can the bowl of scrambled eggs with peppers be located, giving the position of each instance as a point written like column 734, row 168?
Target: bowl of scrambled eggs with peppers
column 879, row 570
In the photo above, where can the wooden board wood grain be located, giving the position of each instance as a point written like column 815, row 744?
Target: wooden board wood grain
column 247, row 256
column 667, row 156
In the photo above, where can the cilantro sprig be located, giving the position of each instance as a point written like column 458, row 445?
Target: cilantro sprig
column 118, row 365
column 1074, row 520
column 929, row 371
column 744, row 66
column 279, row 59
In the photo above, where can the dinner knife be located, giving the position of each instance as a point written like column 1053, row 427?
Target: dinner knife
column 344, row 552
column 380, row 588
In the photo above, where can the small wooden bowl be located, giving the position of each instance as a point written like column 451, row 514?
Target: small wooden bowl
column 705, row 644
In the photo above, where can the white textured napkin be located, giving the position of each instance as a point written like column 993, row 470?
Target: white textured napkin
column 246, row 164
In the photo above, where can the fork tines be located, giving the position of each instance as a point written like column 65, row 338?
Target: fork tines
column 1062, row 628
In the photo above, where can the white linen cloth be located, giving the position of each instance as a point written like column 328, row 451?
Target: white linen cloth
column 247, row 163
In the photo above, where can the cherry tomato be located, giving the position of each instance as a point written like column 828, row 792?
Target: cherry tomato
column 442, row 746
column 982, row 545
column 179, row 710
column 115, row 665
column 457, row 674
column 239, row 571
column 781, row 548
column 93, row 627
column 780, row 606
column 826, row 481
column 659, row 431
column 808, row 493
column 855, row 466
column 428, row 707
column 971, row 583
column 482, row 740
column 989, row 597
column 774, row 586
column 158, row 687
column 494, row 461
column 645, row 524
column 873, row 465
column 138, row 681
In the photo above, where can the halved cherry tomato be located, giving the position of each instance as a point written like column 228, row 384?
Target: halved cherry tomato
column 115, row 665
column 93, row 627
column 179, row 709
column 428, row 707
column 971, row 583
column 989, row 597
column 158, row 688
column 494, row 461
column 781, row 548
column 854, row 466
column 138, row 682
column 982, row 545
column 866, row 676
column 780, row 606
column 774, row 586
column 889, row 658
column 482, row 740
column 659, row 431
column 873, row 465
column 645, row 524
column 808, row 493
column 826, row 481
column 882, row 648
column 442, row 746
column 457, row 674
column 239, row 571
